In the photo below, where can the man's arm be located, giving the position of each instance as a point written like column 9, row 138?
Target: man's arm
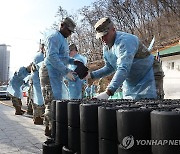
column 102, row 72
column 52, row 56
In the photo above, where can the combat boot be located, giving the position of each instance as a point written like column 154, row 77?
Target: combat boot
column 29, row 107
column 29, row 111
column 19, row 111
column 38, row 121
column 47, row 131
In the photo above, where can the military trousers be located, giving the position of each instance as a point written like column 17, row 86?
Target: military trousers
column 47, row 95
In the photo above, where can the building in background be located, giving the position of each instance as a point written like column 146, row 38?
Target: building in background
column 4, row 64
column 170, row 59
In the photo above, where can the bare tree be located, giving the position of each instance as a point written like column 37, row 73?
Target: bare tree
column 144, row 18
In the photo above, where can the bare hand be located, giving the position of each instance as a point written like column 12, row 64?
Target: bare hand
column 70, row 76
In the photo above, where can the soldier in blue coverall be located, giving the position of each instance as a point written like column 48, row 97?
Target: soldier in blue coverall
column 54, row 67
column 15, row 87
column 129, row 59
column 38, row 103
column 75, row 87
column 88, row 91
column 93, row 90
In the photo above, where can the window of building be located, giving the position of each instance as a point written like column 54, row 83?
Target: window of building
column 168, row 65
column 172, row 65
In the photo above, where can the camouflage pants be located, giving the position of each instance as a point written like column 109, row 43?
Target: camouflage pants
column 29, row 106
column 38, row 110
column 30, row 97
column 29, row 103
column 47, row 94
column 159, row 87
column 158, row 75
column 16, row 102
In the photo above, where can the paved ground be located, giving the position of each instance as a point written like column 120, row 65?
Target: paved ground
column 18, row 134
column 9, row 102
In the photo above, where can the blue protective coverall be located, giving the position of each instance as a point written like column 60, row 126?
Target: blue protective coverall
column 37, row 94
column 65, row 91
column 56, row 61
column 88, row 92
column 134, row 74
column 16, row 82
column 75, row 87
column 93, row 90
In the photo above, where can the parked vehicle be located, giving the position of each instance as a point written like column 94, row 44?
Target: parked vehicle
column 4, row 93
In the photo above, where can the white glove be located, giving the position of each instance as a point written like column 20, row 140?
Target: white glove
column 102, row 95
column 47, row 112
column 70, row 76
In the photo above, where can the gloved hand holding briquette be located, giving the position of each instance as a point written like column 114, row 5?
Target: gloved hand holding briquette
column 70, row 75
column 81, row 69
